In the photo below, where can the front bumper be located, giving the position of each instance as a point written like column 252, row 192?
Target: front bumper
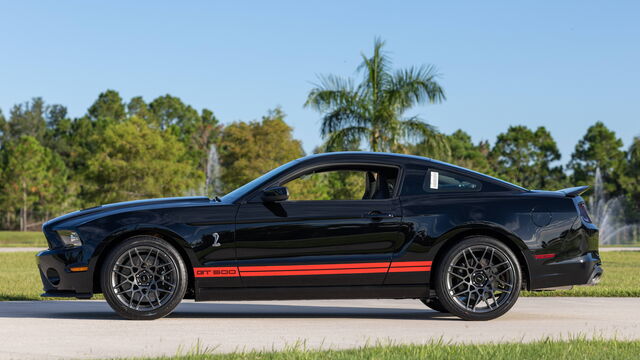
column 57, row 278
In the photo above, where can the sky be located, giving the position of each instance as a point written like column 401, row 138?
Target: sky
column 559, row 64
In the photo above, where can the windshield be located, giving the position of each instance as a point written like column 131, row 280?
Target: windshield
column 248, row 187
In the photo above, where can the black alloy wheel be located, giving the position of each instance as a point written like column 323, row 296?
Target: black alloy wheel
column 478, row 279
column 144, row 278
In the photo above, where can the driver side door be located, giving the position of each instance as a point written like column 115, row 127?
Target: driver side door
column 339, row 239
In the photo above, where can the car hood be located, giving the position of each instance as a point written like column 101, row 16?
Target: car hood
column 129, row 205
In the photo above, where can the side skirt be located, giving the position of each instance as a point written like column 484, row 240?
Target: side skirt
column 314, row 293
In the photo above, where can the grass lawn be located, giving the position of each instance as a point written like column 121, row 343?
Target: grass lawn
column 633, row 244
column 572, row 349
column 19, row 278
column 22, row 239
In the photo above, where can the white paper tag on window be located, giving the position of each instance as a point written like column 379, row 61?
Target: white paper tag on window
column 434, row 180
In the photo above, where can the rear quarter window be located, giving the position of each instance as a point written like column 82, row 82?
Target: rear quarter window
column 430, row 181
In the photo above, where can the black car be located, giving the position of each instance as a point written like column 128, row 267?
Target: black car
column 330, row 226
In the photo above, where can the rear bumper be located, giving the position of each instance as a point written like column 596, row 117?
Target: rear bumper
column 582, row 270
column 57, row 278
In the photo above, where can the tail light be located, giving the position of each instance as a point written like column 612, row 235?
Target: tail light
column 584, row 213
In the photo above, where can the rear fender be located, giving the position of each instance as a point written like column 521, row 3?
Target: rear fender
column 495, row 231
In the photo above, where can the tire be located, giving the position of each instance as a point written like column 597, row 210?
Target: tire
column 434, row 304
column 144, row 278
column 478, row 279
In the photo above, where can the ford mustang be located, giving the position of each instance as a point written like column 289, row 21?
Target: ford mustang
column 330, row 226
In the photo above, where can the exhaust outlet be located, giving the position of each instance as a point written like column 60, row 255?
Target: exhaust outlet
column 595, row 276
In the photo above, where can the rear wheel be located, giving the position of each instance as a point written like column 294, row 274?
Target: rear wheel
column 478, row 279
column 144, row 278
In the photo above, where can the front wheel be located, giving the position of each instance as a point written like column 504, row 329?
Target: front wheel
column 144, row 278
column 478, row 279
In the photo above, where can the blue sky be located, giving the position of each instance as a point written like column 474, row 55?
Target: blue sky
column 563, row 65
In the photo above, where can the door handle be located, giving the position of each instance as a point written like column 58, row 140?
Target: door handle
column 377, row 215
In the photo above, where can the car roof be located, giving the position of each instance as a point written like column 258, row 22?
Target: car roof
column 404, row 159
column 367, row 154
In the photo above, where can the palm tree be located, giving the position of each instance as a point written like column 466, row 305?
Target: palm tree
column 373, row 110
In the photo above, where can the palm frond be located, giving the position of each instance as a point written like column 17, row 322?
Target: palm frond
column 372, row 110
column 414, row 128
column 415, row 85
column 375, row 70
column 332, row 91
column 634, row 149
column 348, row 138
column 340, row 118
column 428, row 138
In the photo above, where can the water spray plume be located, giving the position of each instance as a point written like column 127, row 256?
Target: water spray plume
column 609, row 215
column 212, row 183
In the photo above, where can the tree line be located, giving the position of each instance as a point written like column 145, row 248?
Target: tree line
column 122, row 150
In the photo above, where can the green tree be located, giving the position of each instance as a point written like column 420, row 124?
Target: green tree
column 4, row 128
column 373, row 111
column 138, row 107
column 80, row 138
column 59, row 131
column 202, row 135
column 466, row 154
column 331, row 185
column 599, row 147
column 27, row 177
column 60, row 193
column 74, row 139
column 248, row 150
column 109, row 105
column 170, row 112
column 632, row 180
column 26, row 119
column 135, row 161
column 197, row 131
column 525, row 157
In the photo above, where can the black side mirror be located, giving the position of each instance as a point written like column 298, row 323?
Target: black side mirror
column 275, row 193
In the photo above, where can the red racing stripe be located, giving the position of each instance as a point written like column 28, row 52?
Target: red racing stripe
column 410, row 263
column 410, row 269
column 314, row 266
column 314, row 269
column 315, row 272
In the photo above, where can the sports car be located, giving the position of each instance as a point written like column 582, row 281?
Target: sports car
column 347, row 225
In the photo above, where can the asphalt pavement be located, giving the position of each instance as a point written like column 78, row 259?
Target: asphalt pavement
column 89, row 329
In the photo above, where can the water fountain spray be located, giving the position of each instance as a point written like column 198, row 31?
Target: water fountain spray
column 609, row 215
column 212, row 182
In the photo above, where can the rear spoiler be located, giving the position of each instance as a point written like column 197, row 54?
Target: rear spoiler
column 574, row 191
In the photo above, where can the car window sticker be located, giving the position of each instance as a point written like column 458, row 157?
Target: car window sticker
column 434, row 180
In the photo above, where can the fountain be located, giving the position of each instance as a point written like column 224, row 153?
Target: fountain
column 609, row 215
column 212, row 183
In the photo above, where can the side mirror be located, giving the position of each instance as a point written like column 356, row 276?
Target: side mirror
column 275, row 193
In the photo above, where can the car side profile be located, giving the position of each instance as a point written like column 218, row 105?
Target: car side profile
column 345, row 225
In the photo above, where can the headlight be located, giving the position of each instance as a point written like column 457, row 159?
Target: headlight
column 69, row 238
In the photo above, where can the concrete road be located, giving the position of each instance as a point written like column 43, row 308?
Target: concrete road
column 89, row 329
column 35, row 249
column 20, row 249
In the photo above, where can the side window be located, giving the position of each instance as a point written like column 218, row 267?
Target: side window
column 419, row 182
column 343, row 183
